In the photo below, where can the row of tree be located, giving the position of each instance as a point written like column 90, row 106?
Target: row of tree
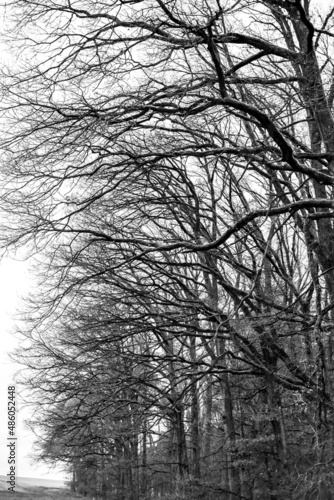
column 170, row 164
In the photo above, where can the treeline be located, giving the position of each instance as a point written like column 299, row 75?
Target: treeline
column 170, row 166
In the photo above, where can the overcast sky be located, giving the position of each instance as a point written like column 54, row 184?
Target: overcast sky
column 15, row 282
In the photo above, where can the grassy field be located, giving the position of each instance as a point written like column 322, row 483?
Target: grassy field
column 40, row 494
column 35, row 489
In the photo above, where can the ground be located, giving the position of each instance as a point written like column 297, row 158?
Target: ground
column 35, row 489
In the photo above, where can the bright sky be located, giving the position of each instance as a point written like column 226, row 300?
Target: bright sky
column 14, row 283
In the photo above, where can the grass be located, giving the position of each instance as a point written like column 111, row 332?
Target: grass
column 38, row 494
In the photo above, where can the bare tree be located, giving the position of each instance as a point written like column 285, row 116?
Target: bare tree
column 173, row 163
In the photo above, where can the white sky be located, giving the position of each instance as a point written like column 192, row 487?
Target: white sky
column 14, row 283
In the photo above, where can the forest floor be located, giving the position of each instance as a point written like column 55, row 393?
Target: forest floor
column 30, row 489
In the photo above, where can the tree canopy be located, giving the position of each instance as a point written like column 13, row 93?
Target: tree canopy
column 171, row 164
